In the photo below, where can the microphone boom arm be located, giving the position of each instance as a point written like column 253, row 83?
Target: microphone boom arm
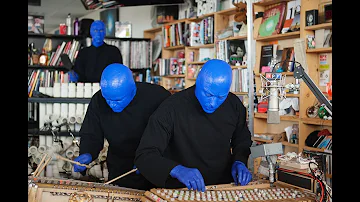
column 299, row 73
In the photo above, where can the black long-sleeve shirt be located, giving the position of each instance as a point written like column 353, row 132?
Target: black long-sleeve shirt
column 180, row 132
column 122, row 130
column 91, row 61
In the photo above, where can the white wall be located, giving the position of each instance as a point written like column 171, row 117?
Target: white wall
column 139, row 16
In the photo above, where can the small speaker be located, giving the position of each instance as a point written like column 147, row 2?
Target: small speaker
column 85, row 25
column 312, row 17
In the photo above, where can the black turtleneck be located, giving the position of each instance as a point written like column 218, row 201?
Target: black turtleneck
column 91, row 61
column 122, row 130
column 181, row 132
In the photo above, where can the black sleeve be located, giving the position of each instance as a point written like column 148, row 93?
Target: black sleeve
column 91, row 134
column 241, row 139
column 79, row 66
column 117, row 56
column 149, row 157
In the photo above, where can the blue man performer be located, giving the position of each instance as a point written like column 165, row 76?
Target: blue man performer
column 92, row 60
column 118, row 112
column 199, row 136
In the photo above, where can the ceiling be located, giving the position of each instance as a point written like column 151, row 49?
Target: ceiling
column 55, row 12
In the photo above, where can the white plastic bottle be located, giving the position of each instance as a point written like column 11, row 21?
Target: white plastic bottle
column 68, row 25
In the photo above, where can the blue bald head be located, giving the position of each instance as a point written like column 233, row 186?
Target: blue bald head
column 117, row 86
column 98, row 32
column 213, row 84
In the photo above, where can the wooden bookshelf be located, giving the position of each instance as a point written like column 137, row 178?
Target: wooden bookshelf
column 174, row 76
column 282, row 118
column 234, row 38
column 314, row 149
column 197, row 63
column 191, row 79
column 240, row 93
column 153, row 30
column 175, row 47
column 238, row 67
column 319, row 50
column 290, row 35
column 316, row 121
column 270, row 2
column 261, row 140
column 199, row 18
column 289, row 144
column 230, row 11
column 319, row 26
column 202, row 46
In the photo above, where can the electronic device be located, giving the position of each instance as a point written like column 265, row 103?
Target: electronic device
column 312, row 17
column 273, row 88
column 267, row 150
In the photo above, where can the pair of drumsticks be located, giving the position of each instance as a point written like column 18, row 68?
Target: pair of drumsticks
column 46, row 159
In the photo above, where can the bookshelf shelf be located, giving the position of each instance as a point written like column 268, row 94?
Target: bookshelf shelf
column 316, row 121
column 154, row 30
column 282, row 73
column 192, row 79
column 211, row 45
column 319, row 26
column 269, row 2
column 139, row 69
column 240, row 93
column 289, row 144
column 199, row 18
column 261, row 140
column 234, row 38
column 196, row 63
column 282, row 118
column 177, row 21
column 60, row 68
column 238, row 67
column 54, row 36
column 319, row 50
column 313, row 149
column 230, row 11
column 59, row 100
column 175, row 76
column 175, row 47
column 290, row 35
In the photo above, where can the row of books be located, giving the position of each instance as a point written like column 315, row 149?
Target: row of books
column 45, row 78
column 172, row 66
column 323, row 142
column 192, row 34
column 239, row 80
column 202, row 32
column 135, row 54
column 71, row 48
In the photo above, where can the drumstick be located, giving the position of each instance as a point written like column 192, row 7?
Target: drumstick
column 43, row 166
column 123, row 175
column 71, row 161
column 39, row 165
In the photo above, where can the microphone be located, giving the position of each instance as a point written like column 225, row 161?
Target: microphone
column 272, row 88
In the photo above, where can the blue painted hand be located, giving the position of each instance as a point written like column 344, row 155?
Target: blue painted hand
column 83, row 159
column 190, row 177
column 117, row 86
column 213, row 84
column 240, row 173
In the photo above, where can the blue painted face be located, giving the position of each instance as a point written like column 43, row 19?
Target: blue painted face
column 97, row 31
column 117, row 86
column 213, row 84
